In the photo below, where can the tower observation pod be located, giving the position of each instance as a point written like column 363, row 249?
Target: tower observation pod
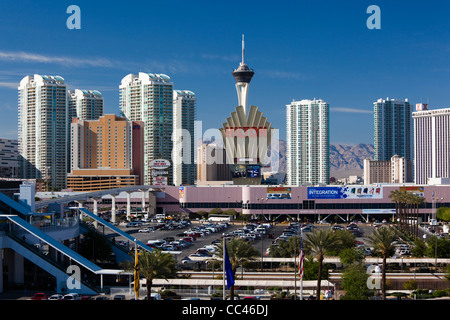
column 243, row 75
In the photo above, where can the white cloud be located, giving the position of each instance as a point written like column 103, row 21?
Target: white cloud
column 350, row 110
column 62, row 60
column 230, row 58
column 9, row 85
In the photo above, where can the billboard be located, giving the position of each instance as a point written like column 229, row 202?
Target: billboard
column 246, row 171
column 160, row 181
column 278, row 193
column 180, row 192
column 159, row 164
column 238, row 171
column 414, row 190
column 348, row 192
column 378, row 211
column 253, row 171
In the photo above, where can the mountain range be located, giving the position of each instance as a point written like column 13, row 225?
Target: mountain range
column 345, row 160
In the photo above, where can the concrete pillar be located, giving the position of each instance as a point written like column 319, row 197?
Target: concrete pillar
column 128, row 205
column 113, row 208
column 143, row 200
column 146, row 208
column 80, row 205
column 18, row 268
column 95, row 210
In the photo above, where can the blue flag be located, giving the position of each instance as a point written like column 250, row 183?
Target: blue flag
column 228, row 268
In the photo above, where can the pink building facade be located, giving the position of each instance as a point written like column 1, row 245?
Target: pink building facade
column 361, row 202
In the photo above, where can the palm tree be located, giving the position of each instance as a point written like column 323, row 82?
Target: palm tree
column 382, row 240
column 239, row 251
column 417, row 201
column 318, row 243
column 153, row 265
column 395, row 197
column 289, row 248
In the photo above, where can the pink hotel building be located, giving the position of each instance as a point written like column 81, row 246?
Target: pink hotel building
column 365, row 203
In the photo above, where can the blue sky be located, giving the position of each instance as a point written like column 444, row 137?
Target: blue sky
column 298, row 49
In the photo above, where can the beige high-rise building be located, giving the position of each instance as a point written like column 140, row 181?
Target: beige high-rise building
column 106, row 153
column 397, row 170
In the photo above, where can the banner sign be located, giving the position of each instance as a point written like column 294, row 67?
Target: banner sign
column 278, row 193
column 348, row 192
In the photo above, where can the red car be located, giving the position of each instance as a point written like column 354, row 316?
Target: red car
column 39, row 296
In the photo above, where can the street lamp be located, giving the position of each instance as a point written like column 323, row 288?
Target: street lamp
column 262, row 215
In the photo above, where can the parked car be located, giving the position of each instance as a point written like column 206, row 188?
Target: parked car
column 39, row 296
column 121, row 243
column 56, row 297
column 145, row 230
column 134, row 224
column 119, row 297
column 72, row 296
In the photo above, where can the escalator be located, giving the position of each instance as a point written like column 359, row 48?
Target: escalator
column 20, row 230
column 58, row 270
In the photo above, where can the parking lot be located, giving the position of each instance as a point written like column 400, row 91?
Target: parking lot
column 154, row 234
column 157, row 235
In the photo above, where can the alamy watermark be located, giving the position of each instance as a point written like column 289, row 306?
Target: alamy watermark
column 74, row 20
column 374, row 282
column 73, row 282
column 246, row 145
column 374, row 21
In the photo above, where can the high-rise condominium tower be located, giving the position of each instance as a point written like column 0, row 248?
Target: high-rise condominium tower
column 392, row 129
column 148, row 97
column 85, row 104
column 184, row 116
column 43, row 129
column 308, row 142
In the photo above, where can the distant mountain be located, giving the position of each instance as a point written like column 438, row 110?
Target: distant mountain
column 345, row 160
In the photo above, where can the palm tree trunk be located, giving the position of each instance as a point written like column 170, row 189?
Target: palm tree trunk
column 383, row 278
column 319, row 278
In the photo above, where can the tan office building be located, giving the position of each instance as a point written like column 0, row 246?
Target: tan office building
column 105, row 153
column 397, row 170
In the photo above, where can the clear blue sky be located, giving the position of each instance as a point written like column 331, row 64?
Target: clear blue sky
column 298, row 49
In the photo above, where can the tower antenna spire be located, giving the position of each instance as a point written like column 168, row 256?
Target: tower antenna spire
column 243, row 49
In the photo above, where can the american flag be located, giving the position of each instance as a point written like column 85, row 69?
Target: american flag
column 301, row 258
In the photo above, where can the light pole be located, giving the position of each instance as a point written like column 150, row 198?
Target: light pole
column 262, row 215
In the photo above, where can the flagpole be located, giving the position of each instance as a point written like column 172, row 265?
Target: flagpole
column 295, row 277
column 136, row 274
column 223, row 265
column 301, row 274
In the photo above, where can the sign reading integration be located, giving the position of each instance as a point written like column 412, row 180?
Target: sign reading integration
column 349, row 192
